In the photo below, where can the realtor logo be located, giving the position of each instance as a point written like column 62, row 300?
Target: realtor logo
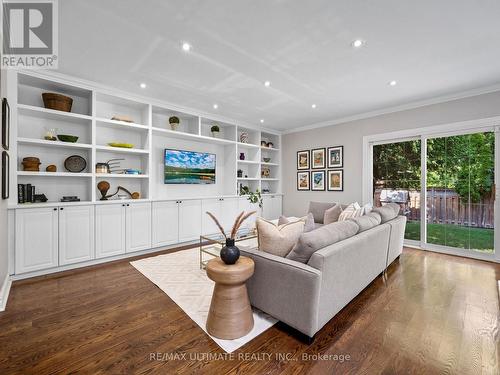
column 29, row 34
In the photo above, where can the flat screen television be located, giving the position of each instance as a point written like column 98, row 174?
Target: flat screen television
column 189, row 167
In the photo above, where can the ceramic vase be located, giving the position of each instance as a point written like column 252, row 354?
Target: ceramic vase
column 229, row 253
column 244, row 137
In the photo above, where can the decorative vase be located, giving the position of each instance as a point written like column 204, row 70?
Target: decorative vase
column 244, row 137
column 242, row 156
column 229, row 253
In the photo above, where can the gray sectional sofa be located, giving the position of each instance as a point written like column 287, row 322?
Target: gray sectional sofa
column 306, row 296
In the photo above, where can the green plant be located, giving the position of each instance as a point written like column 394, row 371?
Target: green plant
column 215, row 128
column 174, row 120
column 251, row 196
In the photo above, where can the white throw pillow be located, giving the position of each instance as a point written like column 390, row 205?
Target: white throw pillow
column 351, row 211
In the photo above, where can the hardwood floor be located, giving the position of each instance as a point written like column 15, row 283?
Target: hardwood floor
column 434, row 314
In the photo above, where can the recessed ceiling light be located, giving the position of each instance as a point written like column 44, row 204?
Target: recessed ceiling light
column 186, row 46
column 393, row 83
column 143, row 85
column 313, row 106
column 216, row 106
column 358, row 43
column 261, row 121
column 267, row 83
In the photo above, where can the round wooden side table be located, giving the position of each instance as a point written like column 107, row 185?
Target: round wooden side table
column 230, row 315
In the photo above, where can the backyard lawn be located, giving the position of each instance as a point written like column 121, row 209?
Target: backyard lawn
column 453, row 235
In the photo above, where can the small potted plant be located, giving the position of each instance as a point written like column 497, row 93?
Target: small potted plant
column 215, row 130
column 174, row 122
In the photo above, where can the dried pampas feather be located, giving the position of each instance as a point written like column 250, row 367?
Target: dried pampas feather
column 217, row 223
column 235, row 229
column 239, row 221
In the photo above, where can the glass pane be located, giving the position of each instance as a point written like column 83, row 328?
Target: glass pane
column 460, row 182
column 396, row 178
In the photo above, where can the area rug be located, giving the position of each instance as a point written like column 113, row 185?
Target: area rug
column 180, row 277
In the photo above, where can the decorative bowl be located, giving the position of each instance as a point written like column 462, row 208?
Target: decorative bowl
column 57, row 101
column 67, row 138
column 120, row 144
column 266, row 160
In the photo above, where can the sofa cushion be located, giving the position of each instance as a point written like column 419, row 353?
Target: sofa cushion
column 328, row 234
column 278, row 239
column 308, row 220
column 332, row 214
column 367, row 221
column 387, row 212
column 318, row 210
column 351, row 211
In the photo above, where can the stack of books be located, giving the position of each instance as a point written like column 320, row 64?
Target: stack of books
column 25, row 193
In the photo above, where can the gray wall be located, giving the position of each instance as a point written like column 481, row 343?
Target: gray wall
column 350, row 135
column 3, row 211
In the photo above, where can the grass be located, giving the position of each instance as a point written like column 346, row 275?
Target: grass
column 453, row 235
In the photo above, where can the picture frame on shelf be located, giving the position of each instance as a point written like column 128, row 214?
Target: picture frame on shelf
column 5, row 124
column 303, row 181
column 336, row 180
column 318, row 159
column 336, row 157
column 318, row 181
column 5, row 175
column 303, row 160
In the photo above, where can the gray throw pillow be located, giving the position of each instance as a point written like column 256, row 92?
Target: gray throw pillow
column 387, row 212
column 309, row 222
column 332, row 214
column 367, row 221
column 318, row 210
column 319, row 238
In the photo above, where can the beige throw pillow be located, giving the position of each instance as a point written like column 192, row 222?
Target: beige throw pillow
column 278, row 239
column 332, row 214
column 351, row 211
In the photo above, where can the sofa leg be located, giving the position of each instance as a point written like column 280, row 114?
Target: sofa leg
column 309, row 340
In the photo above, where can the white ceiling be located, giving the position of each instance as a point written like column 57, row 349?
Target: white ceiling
column 432, row 48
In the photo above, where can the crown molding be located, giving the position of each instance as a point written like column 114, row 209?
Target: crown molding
column 90, row 85
column 400, row 108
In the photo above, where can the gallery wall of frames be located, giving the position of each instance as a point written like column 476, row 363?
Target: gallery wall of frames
column 320, row 169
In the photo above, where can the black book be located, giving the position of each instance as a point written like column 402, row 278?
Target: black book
column 32, row 194
column 28, row 193
column 20, row 193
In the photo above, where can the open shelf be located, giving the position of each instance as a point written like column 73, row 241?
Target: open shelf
column 114, row 124
column 108, row 106
column 122, row 150
column 120, row 175
column 43, row 142
column 188, row 124
column 53, row 174
column 227, row 131
column 50, row 114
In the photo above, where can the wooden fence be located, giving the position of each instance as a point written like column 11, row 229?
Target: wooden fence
column 445, row 207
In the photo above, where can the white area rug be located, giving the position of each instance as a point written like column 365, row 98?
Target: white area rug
column 179, row 276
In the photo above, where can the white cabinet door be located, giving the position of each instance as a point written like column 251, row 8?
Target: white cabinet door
column 245, row 205
column 213, row 206
column 138, row 226
column 76, row 234
column 229, row 211
column 189, row 220
column 272, row 207
column 165, row 223
column 36, row 239
column 109, row 230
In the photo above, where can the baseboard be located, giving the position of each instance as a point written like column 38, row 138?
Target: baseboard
column 4, row 292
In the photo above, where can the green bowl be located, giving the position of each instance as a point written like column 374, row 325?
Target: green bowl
column 67, row 138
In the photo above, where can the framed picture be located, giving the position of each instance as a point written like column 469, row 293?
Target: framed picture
column 5, row 124
column 303, row 159
column 336, row 157
column 303, row 182
column 318, row 180
column 336, row 180
column 5, row 174
column 318, row 158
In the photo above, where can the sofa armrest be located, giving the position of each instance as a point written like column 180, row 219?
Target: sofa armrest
column 285, row 289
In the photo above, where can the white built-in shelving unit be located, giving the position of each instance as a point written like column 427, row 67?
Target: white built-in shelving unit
column 150, row 133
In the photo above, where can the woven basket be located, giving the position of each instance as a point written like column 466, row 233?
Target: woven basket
column 57, row 101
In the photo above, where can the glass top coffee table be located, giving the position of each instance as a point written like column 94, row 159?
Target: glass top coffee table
column 211, row 244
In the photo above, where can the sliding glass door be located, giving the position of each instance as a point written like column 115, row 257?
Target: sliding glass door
column 445, row 185
column 460, row 191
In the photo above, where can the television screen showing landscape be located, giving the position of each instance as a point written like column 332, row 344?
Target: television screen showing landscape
column 189, row 167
